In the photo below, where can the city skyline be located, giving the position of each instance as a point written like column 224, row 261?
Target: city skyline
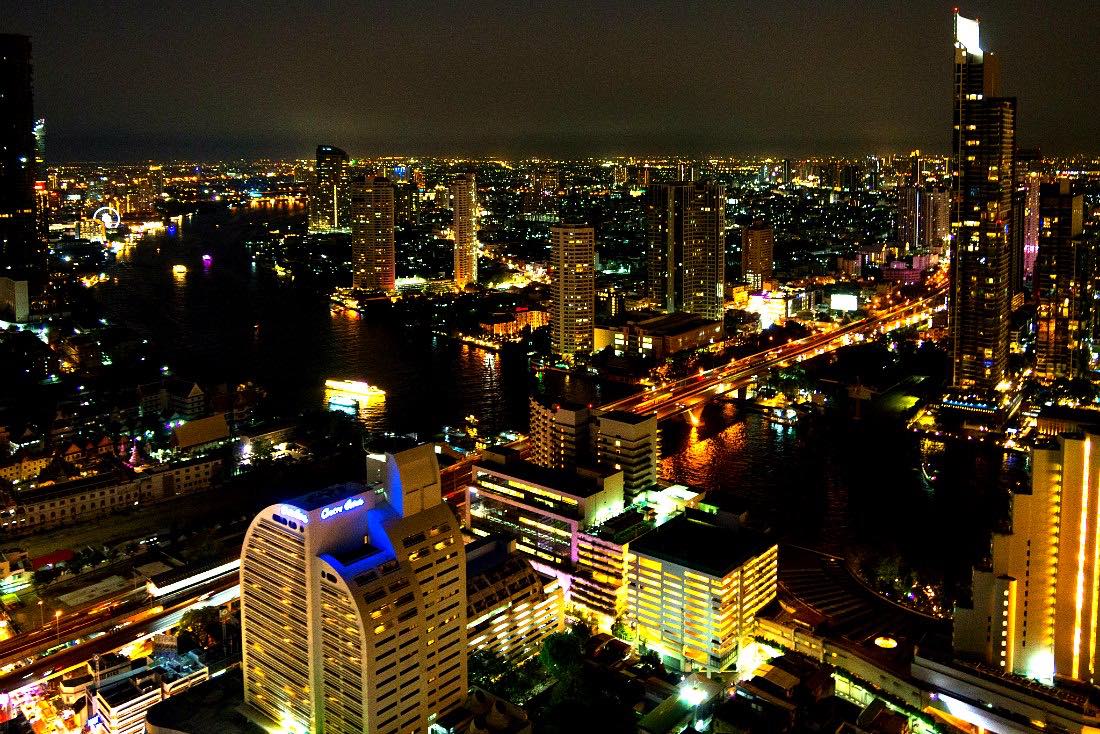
column 152, row 83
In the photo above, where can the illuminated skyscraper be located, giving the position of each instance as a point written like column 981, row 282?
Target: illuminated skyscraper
column 18, row 239
column 984, row 143
column 41, row 185
column 372, row 243
column 924, row 219
column 1035, row 610
column 757, row 254
column 464, row 194
column 572, row 289
column 1061, row 283
column 329, row 201
column 686, row 255
column 353, row 606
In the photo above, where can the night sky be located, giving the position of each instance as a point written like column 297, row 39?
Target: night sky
column 136, row 79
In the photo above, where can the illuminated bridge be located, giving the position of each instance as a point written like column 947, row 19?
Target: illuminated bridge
column 675, row 397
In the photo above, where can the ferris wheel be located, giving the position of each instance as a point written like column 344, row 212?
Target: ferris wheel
column 109, row 216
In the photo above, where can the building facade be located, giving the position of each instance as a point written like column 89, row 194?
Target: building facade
column 353, row 609
column 373, row 251
column 510, row 607
column 464, row 202
column 330, row 194
column 1061, row 283
column 629, row 443
column 1034, row 611
column 686, row 247
column 924, row 219
column 695, row 585
column 757, row 254
column 543, row 509
column 560, row 434
column 984, row 142
column 572, row 288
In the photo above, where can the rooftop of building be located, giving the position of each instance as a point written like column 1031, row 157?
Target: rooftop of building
column 584, row 482
column 703, row 542
column 319, row 498
column 623, row 416
column 210, row 706
column 658, row 323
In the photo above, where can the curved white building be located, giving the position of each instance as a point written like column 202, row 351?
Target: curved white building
column 353, row 606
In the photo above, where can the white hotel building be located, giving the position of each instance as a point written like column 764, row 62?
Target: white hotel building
column 353, row 606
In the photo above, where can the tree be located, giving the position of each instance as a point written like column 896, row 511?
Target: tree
column 622, row 630
column 200, row 627
column 562, row 655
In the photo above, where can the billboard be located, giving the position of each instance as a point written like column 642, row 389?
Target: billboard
column 843, row 302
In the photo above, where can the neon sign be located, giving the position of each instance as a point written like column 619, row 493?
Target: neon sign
column 349, row 504
column 295, row 513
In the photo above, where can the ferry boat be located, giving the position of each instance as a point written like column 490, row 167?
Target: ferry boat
column 355, row 387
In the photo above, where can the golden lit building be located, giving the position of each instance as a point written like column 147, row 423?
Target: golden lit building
column 464, row 196
column 696, row 583
column 572, row 288
column 1035, row 611
column 757, row 254
column 372, row 236
column 560, row 433
column 511, row 608
column 353, row 607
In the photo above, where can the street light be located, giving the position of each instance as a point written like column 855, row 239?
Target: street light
column 57, row 624
column 41, row 615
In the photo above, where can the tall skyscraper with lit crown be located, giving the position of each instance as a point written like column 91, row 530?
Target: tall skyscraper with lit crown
column 464, row 195
column 983, row 147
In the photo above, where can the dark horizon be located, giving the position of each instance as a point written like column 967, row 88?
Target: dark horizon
column 227, row 80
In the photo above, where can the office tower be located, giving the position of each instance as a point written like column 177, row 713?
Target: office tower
column 630, row 443
column 874, row 174
column 1035, row 609
column 1025, row 221
column 984, row 142
column 787, row 180
column 18, row 227
column 510, row 606
column 572, row 289
column 696, row 584
column 542, row 508
column 924, row 219
column 406, row 206
column 353, row 608
column 916, row 168
column 330, row 200
column 687, row 247
column 372, row 245
column 757, row 254
column 464, row 194
column 610, row 301
column 1061, row 283
column 559, row 436
column 41, row 184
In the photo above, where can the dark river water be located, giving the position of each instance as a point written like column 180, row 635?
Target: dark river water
column 833, row 483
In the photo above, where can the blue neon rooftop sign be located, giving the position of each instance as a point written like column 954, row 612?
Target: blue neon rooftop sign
column 347, row 505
